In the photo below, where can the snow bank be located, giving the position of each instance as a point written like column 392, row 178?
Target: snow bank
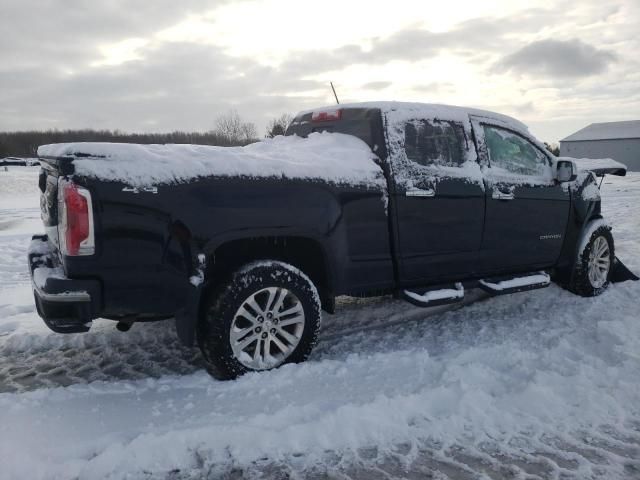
column 332, row 157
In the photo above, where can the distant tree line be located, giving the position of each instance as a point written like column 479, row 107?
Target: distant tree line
column 229, row 130
column 25, row 144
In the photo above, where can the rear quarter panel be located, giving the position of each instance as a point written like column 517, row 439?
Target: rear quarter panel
column 147, row 243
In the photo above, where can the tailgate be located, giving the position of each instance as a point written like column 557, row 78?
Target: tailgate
column 48, row 184
column 52, row 168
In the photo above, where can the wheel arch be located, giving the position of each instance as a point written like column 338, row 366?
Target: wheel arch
column 304, row 251
column 564, row 269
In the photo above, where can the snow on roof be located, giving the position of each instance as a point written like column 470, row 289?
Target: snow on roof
column 428, row 110
column 334, row 157
column 397, row 112
column 606, row 131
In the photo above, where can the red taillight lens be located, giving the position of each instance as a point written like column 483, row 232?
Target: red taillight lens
column 75, row 226
column 327, row 115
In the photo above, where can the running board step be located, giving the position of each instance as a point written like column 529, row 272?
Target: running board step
column 432, row 298
column 522, row 283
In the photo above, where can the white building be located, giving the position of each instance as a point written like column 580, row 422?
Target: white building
column 617, row 140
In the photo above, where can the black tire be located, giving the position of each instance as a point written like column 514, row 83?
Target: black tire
column 581, row 284
column 222, row 304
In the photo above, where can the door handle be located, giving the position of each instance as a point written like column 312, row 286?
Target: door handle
column 499, row 194
column 419, row 192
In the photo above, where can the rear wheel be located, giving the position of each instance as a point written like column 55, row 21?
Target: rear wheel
column 593, row 267
column 267, row 315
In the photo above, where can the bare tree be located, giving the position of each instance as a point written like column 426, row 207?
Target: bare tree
column 234, row 129
column 553, row 148
column 279, row 125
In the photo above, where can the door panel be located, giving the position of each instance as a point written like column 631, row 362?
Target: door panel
column 527, row 211
column 439, row 200
column 526, row 231
column 440, row 235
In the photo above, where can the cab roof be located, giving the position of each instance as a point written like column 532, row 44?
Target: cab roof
column 426, row 110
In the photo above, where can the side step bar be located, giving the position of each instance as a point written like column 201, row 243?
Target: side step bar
column 432, row 298
column 515, row 284
column 494, row 286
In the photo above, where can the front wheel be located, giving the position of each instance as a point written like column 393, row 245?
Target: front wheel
column 267, row 315
column 592, row 272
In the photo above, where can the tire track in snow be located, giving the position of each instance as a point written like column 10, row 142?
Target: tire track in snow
column 32, row 361
column 455, row 336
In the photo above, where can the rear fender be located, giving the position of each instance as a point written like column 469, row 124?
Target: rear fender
column 205, row 276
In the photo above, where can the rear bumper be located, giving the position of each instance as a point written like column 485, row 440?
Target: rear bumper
column 66, row 305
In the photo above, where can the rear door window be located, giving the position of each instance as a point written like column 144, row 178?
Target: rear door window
column 434, row 143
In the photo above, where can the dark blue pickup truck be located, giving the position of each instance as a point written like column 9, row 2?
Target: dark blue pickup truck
column 246, row 246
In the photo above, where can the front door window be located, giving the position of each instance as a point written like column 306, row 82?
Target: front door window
column 512, row 155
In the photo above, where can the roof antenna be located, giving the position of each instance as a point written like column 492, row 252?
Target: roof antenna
column 334, row 93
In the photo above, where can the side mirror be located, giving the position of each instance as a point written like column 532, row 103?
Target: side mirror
column 566, row 171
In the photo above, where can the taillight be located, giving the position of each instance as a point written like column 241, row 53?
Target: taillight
column 75, row 220
column 327, row 115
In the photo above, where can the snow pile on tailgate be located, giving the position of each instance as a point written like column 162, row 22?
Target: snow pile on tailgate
column 332, row 157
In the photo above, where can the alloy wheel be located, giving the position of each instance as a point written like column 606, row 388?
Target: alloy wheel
column 267, row 328
column 599, row 262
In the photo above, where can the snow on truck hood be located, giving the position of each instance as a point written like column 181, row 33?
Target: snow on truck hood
column 333, row 157
column 599, row 166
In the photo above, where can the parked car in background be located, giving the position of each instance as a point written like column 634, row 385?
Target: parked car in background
column 12, row 162
column 19, row 162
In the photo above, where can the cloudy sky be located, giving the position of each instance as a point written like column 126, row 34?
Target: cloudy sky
column 159, row 65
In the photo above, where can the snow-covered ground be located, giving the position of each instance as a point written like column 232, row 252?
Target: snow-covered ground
column 540, row 384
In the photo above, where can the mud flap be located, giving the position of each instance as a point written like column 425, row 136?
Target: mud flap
column 187, row 318
column 621, row 273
